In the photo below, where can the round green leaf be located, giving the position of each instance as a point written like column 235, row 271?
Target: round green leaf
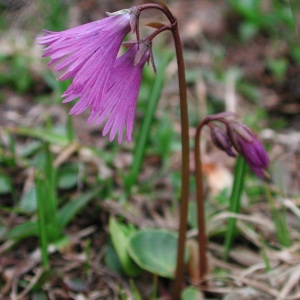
column 191, row 293
column 155, row 251
column 120, row 234
column 112, row 260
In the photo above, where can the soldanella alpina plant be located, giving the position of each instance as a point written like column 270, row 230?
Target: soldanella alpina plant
column 238, row 137
column 108, row 85
column 234, row 138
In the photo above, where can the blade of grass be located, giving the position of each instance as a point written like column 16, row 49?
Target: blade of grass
column 135, row 291
column 41, row 133
column 12, row 148
column 51, row 203
column 42, row 227
column 70, row 128
column 265, row 255
column 279, row 219
column 140, row 147
column 295, row 6
column 62, row 86
column 88, row 256
column 154, row 288
column 64, row 217
column 69, row 210
column 235, row 203
column 55, row 14
column 22, row 231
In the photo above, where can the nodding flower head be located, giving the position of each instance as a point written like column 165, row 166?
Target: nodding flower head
column 240, row 138
column 105, row 84
column 87, row 54
column 247, row 144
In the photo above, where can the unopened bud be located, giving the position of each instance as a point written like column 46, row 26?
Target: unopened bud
column 247, row 144
column 221, row 140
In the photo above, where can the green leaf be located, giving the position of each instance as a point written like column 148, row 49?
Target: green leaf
column 45, row 135
column 155, row 251
column 39, row 295
column 3, row 230
column 279, row 217
column 112, row 260
column 192, row 214
column 135, row 291
column 191, row 293
column 235, row 203
column 69, row 210
column 5, row 184
column 28, row 203
column 23, row 231
column 163, row 137
column 120, row 235
column 42, row 221
column 64, row 216
column 68, row 177
column 30, row 148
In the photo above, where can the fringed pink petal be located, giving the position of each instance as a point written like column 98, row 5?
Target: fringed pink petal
column 120, row 99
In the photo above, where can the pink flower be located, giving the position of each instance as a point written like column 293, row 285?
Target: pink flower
column 121, row 96
column 87, row 54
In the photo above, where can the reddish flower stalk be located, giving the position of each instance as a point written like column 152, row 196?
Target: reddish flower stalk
column 238, row 137
column 202, row 240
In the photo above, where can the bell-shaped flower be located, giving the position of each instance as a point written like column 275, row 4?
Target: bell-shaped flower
column 87, row 54
column 121, row 96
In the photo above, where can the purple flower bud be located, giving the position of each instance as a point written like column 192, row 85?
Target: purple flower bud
column 221, row 140
column 236, row 130
column 255, row 156
column 247, row 144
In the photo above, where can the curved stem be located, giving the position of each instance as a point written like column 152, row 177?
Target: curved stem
column 185, row 176
column 202, row 240
column 158, row 31
column 185, row 173
column 163, row 9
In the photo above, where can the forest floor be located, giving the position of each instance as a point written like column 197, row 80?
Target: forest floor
column 246, row 61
